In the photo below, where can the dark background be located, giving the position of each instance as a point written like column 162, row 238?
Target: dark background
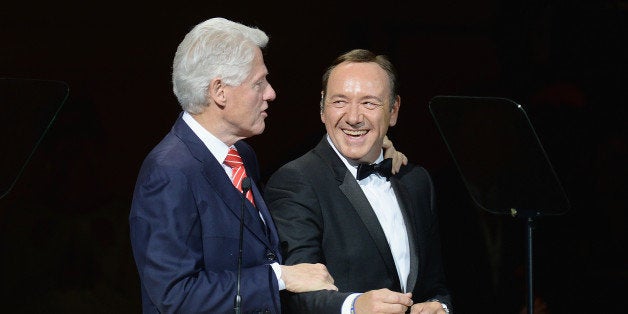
column 64, row 230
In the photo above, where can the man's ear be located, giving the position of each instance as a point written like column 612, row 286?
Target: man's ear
column 216, row 92
column 322, row 106
column 394, row 111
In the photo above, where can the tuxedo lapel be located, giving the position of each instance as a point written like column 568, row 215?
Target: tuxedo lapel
column 403, row 198
column 352, row 191
column 360, row 203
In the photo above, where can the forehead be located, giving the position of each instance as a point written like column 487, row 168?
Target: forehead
column 365, row 75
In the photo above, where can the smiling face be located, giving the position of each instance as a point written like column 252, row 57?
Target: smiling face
column 356, row 109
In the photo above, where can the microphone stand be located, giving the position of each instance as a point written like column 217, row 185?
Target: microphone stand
column 246, row 186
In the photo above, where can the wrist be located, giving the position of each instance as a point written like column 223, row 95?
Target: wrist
column 352, row 311
column 443, row 305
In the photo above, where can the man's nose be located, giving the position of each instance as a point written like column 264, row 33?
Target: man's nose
column 270, row 94
column 354, row 114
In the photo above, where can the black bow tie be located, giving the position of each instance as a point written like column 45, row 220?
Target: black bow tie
column 384, row 169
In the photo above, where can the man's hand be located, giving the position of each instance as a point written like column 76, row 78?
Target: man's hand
column 427, row 308
column 398, row 158
column 307, row 277
column 383, row 301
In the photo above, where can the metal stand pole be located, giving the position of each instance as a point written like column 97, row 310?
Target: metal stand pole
column 530, row 226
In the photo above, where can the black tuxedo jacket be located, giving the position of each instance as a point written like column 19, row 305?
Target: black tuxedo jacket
column 322, row 215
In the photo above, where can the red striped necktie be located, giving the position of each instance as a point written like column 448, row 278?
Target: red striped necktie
column 238, row 173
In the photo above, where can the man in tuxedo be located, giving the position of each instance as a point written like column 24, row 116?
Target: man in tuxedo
column 185, row 219
column 377, row 234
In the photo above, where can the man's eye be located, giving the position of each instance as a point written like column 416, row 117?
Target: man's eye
column 339, row 103
column 370, row 105
column 259, row 84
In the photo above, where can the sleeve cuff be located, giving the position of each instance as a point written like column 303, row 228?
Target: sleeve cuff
column 347, row 305
column 277, row 269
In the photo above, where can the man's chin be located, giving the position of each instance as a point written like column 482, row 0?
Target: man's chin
column 259, row 129
column 356, row 155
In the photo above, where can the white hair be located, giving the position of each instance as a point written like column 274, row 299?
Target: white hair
column 215, row 48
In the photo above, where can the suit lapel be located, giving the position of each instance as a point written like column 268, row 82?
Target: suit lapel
column 268, row 232
column 405, row 205
column 352, row 191
column 272, row 235
column 218, row 179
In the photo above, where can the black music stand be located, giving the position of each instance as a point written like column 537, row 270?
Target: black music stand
column 501, row 161
column 28, row 107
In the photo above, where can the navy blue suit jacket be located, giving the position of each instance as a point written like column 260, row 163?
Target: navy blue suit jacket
column 185, row 227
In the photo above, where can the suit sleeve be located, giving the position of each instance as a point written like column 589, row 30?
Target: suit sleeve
column 295, row 209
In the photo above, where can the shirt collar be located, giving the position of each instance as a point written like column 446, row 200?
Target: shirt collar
column 216, row 147
column 351, row 164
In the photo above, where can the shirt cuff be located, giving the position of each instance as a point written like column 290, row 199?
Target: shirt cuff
column 277, row 269
column 347, row 305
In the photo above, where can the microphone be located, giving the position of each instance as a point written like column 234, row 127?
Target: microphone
column 246, row 186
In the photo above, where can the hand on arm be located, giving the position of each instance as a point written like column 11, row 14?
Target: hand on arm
column 307, row 277
column 382, row 301
column 390, row 152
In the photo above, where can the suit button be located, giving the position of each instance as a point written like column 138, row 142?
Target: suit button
column 271, row 256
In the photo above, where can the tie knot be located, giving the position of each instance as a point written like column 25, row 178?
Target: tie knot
column 383, row 168
column 233, row 159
